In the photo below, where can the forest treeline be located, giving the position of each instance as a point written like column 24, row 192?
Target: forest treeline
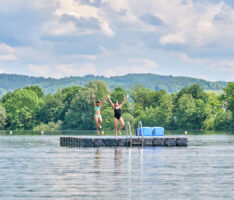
column 71, row 108
column 10, row 82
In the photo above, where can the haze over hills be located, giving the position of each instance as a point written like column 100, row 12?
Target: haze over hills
column 10, row 82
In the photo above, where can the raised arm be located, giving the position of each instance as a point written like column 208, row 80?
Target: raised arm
column 108, row 96
column 125, row 100
column 94, row 103
column 104, row 100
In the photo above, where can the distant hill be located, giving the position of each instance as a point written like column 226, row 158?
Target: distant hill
column 10, row 82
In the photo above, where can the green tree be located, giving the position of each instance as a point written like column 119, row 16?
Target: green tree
column 164, row 111
column 2, row 117
column 200, row 113
column 36, row 89
column 142, row 96
column 214, row 102
column 137, row 110
column 108, row 118
column 51, row 126
column 6, row 97
column 80, row 115
column 223, row 120
column 209, row 123
column 64, row 99
column 101, row 90
column 51, row 109
column 21, row 109
column 128, row 118
column 229, row 92
column 119, row 95
column 184, row 112
column 195, row 91
column 158, row 102
column 147, row 117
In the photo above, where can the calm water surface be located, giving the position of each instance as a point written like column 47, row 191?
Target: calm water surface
column 36, row 167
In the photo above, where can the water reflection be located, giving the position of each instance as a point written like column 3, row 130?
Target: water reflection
column 118, row 159
column 37, row 167
column 97, row 161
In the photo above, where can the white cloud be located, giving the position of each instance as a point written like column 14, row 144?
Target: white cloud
column 195, row 23
column 78, row 11
column 134, row 65
column 87, row 57
column 62, row 70
column 187, row 59
column 74, row 8
column 223, row 65
column 117, row 5
column 40, row 70
column 7, row 53
column 7, row 57
column 105, row 33
column 53, row 27
column 74, row 70
column 146, row 63
column 13, row 6
column 6, row 48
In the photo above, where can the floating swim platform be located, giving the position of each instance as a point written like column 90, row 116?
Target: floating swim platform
column 122, row 141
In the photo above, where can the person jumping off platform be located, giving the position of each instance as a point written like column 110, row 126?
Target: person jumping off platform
column 118, row 112
column 97, row 116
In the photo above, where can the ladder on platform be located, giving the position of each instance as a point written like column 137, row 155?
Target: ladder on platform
column 129, row 133
column 139, row 141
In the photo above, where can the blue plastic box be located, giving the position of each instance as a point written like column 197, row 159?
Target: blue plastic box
column 147, row 131
column 158, row 131
column 151, row 131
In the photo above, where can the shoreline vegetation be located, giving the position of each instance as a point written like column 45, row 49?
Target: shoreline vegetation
column 110, row 132
column 71, row 108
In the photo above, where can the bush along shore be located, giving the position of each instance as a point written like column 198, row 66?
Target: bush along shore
column 71, row 108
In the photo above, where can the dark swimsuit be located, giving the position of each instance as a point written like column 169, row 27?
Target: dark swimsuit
column 117, row 113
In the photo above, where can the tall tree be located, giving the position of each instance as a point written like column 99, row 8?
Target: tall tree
column 50, row 110
column 229, row 92
column 21, row 109
column 119, row 95
column 36, row 89
column 66, row 95
column 2, row 117
column 80, row 114
column 195, row 91
column 141, row 96
column 100, row 88
column 184, row 112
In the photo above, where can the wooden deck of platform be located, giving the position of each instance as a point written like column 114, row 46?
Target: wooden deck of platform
column 121, row 141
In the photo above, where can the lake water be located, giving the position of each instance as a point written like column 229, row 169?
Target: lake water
column 36, row 167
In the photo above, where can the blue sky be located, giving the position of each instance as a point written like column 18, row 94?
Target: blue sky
column 60, row 38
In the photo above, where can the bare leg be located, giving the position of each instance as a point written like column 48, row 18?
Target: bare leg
column 122, row 125
column 100, row 122
column 116, row 126
column 97, row 125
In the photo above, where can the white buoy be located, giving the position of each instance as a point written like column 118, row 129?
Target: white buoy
column 185, row 132
column 42, row 132
column 11, row 132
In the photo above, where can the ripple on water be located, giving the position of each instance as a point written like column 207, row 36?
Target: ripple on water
column 35, row 167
